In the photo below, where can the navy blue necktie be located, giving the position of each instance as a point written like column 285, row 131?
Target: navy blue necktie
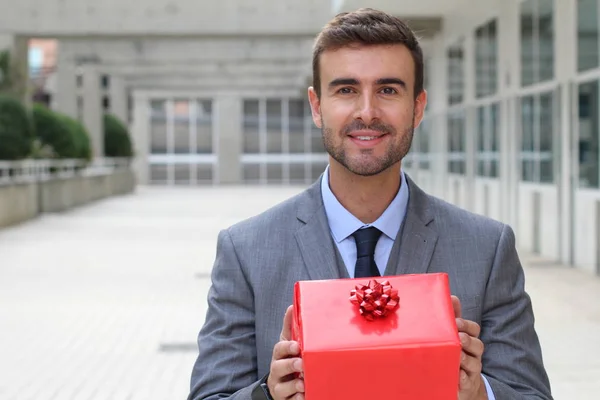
column 366, row 240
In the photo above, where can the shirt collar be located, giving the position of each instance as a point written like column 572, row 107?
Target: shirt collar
column 343, row 224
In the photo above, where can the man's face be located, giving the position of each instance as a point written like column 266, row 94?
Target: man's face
column 367, row 110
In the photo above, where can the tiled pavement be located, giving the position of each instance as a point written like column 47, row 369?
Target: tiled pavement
column 105, row 302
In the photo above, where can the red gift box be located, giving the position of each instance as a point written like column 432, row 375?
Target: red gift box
column 412, row 353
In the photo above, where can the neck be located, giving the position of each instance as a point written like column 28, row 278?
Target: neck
column 365, row 197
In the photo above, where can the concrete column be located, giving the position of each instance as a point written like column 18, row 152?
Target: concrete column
column 16, row 80
column 229, row 139
column 92, row 109
column 565, row 61
column 509, row 81
column 118, row 99
column 64, row 99
column 140, row 131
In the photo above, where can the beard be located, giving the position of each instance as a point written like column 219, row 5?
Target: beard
column 365, row 163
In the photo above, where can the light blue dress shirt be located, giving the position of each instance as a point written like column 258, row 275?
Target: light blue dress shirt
column 343, row 224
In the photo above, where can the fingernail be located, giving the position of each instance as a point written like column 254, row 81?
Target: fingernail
column 300, row 386
column 294, row 348
column 298, row 365
column 463, row 356
column 459, row 323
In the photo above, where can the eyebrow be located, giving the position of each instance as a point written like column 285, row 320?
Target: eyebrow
column 352, row 81
column 391, row 81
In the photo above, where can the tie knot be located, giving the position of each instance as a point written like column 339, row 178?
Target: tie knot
column 366, row 240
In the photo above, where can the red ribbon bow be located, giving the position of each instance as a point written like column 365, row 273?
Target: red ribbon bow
column 375, row 300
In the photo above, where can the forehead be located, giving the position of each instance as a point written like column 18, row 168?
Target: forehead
column 368, row 63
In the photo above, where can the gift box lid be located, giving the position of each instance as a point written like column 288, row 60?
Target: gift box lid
column 326, row 320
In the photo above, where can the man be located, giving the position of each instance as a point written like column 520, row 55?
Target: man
column 367, row 97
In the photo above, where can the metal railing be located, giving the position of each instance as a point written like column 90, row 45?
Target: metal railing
column 27, row 171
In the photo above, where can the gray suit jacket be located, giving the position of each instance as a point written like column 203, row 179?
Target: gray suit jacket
column 259, row 260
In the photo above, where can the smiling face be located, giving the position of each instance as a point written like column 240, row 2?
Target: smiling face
column 367, row 110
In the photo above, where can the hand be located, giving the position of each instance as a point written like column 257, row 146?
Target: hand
column 286, row 365
column 471, row 385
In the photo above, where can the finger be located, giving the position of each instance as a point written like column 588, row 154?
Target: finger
column 471, row 345
column 471, row 365
column 280, row 369
column 284, row 390
column 456, row 306
column 286, row 330
column 286, row 349
column 469, row 327
column 464, row 382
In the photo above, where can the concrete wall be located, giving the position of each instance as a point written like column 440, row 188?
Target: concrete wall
column 18, row 203
column 21, row 202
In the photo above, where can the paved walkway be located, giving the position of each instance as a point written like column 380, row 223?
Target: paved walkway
column 105, row 302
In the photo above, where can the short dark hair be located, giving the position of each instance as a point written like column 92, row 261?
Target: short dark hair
column 366, row 26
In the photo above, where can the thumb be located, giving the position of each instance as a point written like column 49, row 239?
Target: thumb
column 286, row 330
column 456, row 306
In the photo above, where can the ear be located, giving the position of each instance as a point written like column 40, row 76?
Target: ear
column 315, row 106
column 420, row 104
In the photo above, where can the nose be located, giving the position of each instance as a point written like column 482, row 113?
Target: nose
column 367, row 108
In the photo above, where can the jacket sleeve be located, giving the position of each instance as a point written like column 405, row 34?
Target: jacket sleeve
column 226, row 367
column 512, row 358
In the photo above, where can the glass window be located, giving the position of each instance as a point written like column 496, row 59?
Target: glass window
column 456, row 72
column 204, row 127
column 537, row 41
column 296, row 126
column 423, row 138
column 495, row 140
column 488, row 156
column 486, row 59
column 527, row 45
column 481, row 142
column 589, row 131
column 181, row 128
column 527, row 139
column 546, row 140
column 587, row 35
column 158, row 127
column 538, row 149
column 457, row 142
column 546, row 39
column 274, row 126
column 251, row 126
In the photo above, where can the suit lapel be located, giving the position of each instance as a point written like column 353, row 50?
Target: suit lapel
column 413, row 248
column 314, row 238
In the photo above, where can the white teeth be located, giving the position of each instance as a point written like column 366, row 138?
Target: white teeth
column 366, row 137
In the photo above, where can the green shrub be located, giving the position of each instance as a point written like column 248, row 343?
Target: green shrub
column 16, row 129
column 117, row 142
column 66, row 136
column 5, row 80
column 53, row 130
column 83, row 147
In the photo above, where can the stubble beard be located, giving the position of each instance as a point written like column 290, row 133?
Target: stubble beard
column 366, row 164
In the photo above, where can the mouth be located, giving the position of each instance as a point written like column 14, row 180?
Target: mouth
column 367, row 138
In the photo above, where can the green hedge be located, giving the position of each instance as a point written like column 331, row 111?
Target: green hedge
column 53, row 131
column 81, row 136
column 67, row 137
column 117, row 142
column 16, row 129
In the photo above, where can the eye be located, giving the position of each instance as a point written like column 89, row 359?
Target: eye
column 389, row 90
column 345, row 90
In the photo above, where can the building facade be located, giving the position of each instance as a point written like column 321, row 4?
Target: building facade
column 216, row 94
